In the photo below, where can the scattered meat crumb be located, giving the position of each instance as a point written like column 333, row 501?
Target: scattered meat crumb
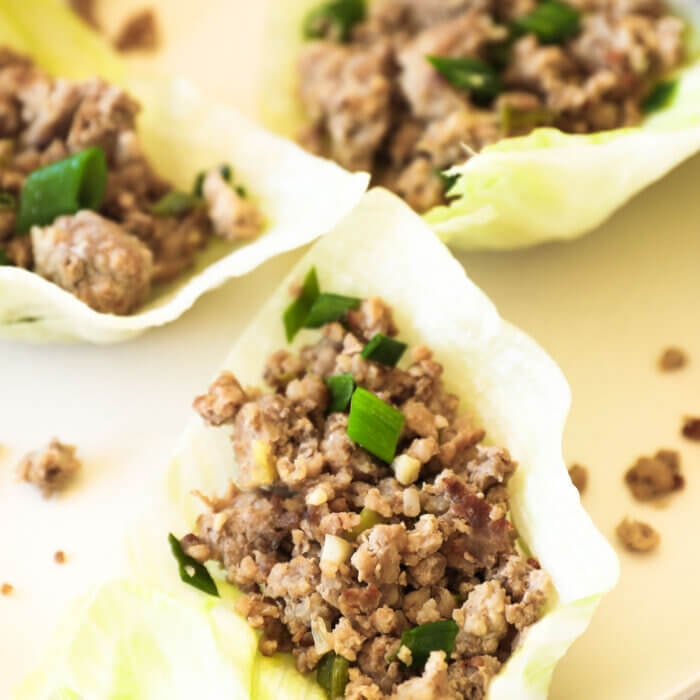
column 59, row 557
column 651, row 477
column 7, row 589
column 637, row 536
column 51, row 468
column 579, row 476
column 139, row 32
column 691, row 428
column 85, row 9
column 672, row 359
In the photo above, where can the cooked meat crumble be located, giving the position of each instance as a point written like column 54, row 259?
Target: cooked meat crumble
column 7, row 589
column 59, row 557
column 579, row 477
column 139, row 32
column 652, row 477
column 691, row 428
column 340, row 553
column 111, row 257
column 672, row 359
column 52, row 468
column 637, row 536
column 375, row 101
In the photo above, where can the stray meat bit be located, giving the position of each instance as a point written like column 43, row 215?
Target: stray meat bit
column 139, row 32
column 672, row 359
column 59, row 557
column 579, row 476
column 85, row 9
column 652, row 477
column 691, row 428
column 637, row 536
column 50, row 469
column 7, row 589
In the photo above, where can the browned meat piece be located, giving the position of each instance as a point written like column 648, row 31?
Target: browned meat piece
column 671, row 359
column 222, row 401
column 233, row 216
column 432, row 685
column 471, row 678
column 96, row 260
column 281, row 368
column 371, row 317
column 691, row 428
column 51, row 469
column 139, row 32
column 6, row 589
column 579, row 476
column 59, row 556
column 85, row 9
column 482, row 620
column 637, row 536
column 19, row 251
column 652, row 477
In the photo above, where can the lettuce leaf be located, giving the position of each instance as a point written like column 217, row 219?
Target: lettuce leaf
column 182, row 132
column 526, row 190
column 512, row 386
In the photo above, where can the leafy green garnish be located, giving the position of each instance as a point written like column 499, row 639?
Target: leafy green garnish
column 381, row 348
column 368, row 519
column 175, row 203
column 374, row 424
column 296, row 313
column 660, row 97
column 448, row 181
column 329, row 307
column 470, row 74
column 333, row 20
column 191, row 571
column 332, row 675
column 551, row 22
column 432, row 636
column 341, row 387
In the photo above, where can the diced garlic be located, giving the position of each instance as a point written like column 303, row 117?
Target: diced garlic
column 411, row 502
column 335, row 551
column 406, row 469
column 317, row 496
column 263, row 472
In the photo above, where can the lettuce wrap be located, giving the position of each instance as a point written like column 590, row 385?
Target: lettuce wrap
column 521, row 191
column 515, row 391
column 301, row 196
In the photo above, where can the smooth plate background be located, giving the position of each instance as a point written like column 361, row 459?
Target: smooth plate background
column 603, row 306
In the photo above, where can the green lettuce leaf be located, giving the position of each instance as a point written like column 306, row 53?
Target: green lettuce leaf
column 510, row 384
column 301, row 196
column 526, row 190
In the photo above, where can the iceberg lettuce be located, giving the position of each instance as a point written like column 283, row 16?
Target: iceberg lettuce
column 512, row 386
column 522, row 191
column 301, row 196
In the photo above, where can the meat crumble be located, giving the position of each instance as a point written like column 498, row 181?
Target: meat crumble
column 139, row 32
column 579, row 477
column 142, row 232
column 51, row 468
column 672, row 359
column 7, row 589
column 343, row 556
column 408, row 88
column 653, row 477
column 691, row 428
column 637, row 536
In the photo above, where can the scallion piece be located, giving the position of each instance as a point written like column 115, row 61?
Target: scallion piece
column 329, row 307
column 295, row 314
column 226, row 172
column 191, row 571
column 660, row 96
column 341, row 387
column 333, row 20
column 381, row 348
column 432, row 636
column 64, row 187
column 470, row 74
column 332, row 675
column 175, row 203
column 551, row 22
column 374, row 424
column 368, row 519
column 448, row 181
column 7, row 201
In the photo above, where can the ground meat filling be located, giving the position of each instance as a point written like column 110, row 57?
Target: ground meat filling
column 110, row 258
column 374, row 102
column 340, row 553
column 50, row 469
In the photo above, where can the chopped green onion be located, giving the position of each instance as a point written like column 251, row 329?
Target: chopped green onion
column 7, row 201
column 660, row 96
column 64, row 187
column 329, row 307
column 432, row 636
column 198, row 184
column 333, row 20
column 516, row 120
column 381, row 348
column 191, row 571
column 448, row 181
column 374, row 424
column 226, row 172
column 295, row 314
column 551, row 22
column 175, row 203
column 332, row 675
column 4, row 260
column 341, row 387
column 241, row 191
column 470, row 74
column 498, row 54
column 368, row 519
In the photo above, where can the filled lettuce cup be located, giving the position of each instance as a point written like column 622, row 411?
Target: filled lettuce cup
column 123, row 199
column 372, row 502
column 505, row 123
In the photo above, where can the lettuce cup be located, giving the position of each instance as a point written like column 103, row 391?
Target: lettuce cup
column 506, row 124
column 391, row 513
column 124, row 199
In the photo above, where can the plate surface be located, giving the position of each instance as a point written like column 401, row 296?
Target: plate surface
column 604, row 307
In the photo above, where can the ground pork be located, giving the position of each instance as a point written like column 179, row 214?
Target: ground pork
column 672, row 359
column 691, row 428
column 139, row 32
column 637, row 536
column 51, row 468
column 652, row 477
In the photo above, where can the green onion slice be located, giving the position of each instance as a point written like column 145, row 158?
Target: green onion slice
column 333, row 20
column 432, row 636
column 226, row 172
column 7, row 201
column 191, row 571
column 551, row 22
column 381, row 348
column 374, row 424
column 64, row 187
column 341, row 387
column 175, row 203
column 329, row 307
column 295, row 314
column 332, row 675
column 448, row 181
column 368, row 519
column 470, row 74
column 660, row 96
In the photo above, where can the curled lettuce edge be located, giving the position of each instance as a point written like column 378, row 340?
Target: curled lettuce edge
column 513, row 388
column 301, row 196
column 526, row 190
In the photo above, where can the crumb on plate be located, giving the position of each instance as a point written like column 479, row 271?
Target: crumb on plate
column 637, row 536
column 7, row 588
column 579, row 476
column 672, row 358
column 691, row 428
column 651, row 477
column 139, row 32
column 59, row 556
column 50, row 469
